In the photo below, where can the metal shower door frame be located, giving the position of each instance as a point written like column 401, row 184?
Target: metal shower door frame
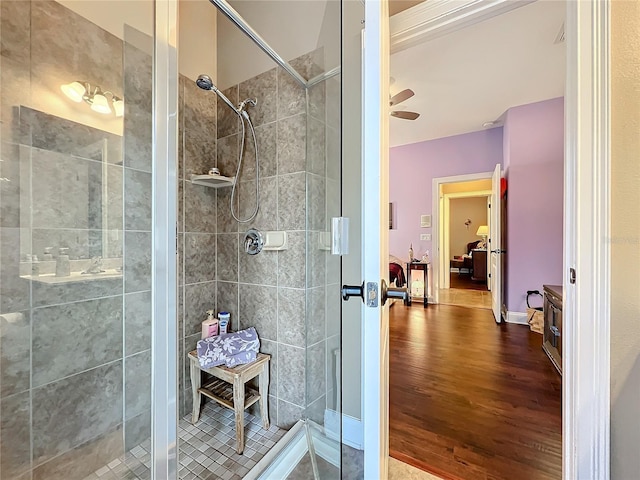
column 229, row 12
column 164, row 343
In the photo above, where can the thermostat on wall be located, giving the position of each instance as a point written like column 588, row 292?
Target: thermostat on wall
column 425, row 221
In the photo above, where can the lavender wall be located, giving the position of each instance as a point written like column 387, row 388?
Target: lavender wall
column 412, row 168
column 534, row 159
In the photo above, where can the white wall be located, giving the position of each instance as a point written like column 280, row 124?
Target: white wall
column 197, row 28
column 625, row 241
column 471, row 186
column 315, row 25
column 197, row 45
column 112, row 15
column 461, row 209
column 352, row 208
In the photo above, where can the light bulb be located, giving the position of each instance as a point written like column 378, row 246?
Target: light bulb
column 118, row 106
column 74, row 90
column 100, row 104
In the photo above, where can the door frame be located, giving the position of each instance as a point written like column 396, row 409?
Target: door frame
column 375, row 238
column 446, row 226
column 437, row 239
column 586, row 364
column 164, row 291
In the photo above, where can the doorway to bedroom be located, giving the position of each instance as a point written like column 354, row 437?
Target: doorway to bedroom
column 490, row 114
column 464, row 225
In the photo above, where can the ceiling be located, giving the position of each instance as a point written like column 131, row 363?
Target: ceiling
column 397, row 6
column 472, row 76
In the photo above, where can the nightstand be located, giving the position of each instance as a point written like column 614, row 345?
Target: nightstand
column 479, row 258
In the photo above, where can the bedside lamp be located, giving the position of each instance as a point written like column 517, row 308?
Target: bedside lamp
column 483, row 231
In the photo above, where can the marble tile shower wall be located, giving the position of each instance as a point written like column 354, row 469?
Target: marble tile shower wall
column 323, row 269
column 273, row 290
column 333, row 208
column 137, row 205
column 196, row 223
column 74, row 357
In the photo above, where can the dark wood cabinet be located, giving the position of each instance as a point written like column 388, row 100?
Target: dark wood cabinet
column 552, row 342
column 479, row 258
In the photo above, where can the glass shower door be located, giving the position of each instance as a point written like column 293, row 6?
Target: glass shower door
column 76, row 233
column 333, row 182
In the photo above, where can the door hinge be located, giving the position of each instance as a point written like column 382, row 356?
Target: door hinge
column 339, row 236
column 572, row 276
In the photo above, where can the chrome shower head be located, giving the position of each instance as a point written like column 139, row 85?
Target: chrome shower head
column 205, row 83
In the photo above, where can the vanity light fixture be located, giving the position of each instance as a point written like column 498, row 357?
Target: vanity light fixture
column 118, row 106
column 101, row 102
column 74, row 90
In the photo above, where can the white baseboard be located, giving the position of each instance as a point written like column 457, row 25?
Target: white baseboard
column 352, row 432
column 517, row 317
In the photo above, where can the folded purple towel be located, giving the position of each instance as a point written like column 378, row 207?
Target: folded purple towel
column 230, row 349
column 240, row 359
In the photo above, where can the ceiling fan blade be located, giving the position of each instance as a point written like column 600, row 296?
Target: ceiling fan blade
column 401, row 97
column 405, row 115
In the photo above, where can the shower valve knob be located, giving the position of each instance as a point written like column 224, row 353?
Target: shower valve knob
column 253, row 241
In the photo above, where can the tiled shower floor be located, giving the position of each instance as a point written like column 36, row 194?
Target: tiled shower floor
column 207, row 449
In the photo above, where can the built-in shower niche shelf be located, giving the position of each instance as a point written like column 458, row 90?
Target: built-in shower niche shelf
column 74, row 277
column 213, row 181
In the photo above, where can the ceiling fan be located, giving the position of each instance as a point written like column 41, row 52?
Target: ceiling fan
column 399, row 98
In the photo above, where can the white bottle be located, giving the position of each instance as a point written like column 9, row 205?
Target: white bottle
column 63, row 265
column 35, row 266
column 210, row 326
column 224, row 319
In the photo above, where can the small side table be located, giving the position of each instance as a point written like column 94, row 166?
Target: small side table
column 228, row 389
column 425, row 274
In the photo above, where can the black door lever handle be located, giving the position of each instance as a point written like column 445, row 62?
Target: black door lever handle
column 391, row 292
column 349, row 291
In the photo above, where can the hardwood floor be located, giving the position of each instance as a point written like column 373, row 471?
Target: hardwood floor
column 465, row 298
column 464, row 281
column 470, row 399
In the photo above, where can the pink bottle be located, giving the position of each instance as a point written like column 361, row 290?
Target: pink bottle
column 210, row 326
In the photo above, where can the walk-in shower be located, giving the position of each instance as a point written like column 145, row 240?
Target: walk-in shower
column 82, row 184
column 205, row 83
column 301, row 194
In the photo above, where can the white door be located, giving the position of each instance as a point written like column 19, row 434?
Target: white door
column 495, row 247
column 375, row 236
column 489, row 279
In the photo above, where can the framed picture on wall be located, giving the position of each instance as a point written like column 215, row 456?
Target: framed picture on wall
column 391, row 217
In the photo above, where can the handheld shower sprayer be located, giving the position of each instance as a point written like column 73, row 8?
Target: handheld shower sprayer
column 205, row 83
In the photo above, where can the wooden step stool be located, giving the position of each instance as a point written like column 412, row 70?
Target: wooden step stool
column 228, row 389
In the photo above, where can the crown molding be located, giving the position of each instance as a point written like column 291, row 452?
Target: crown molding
column 434, row 18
